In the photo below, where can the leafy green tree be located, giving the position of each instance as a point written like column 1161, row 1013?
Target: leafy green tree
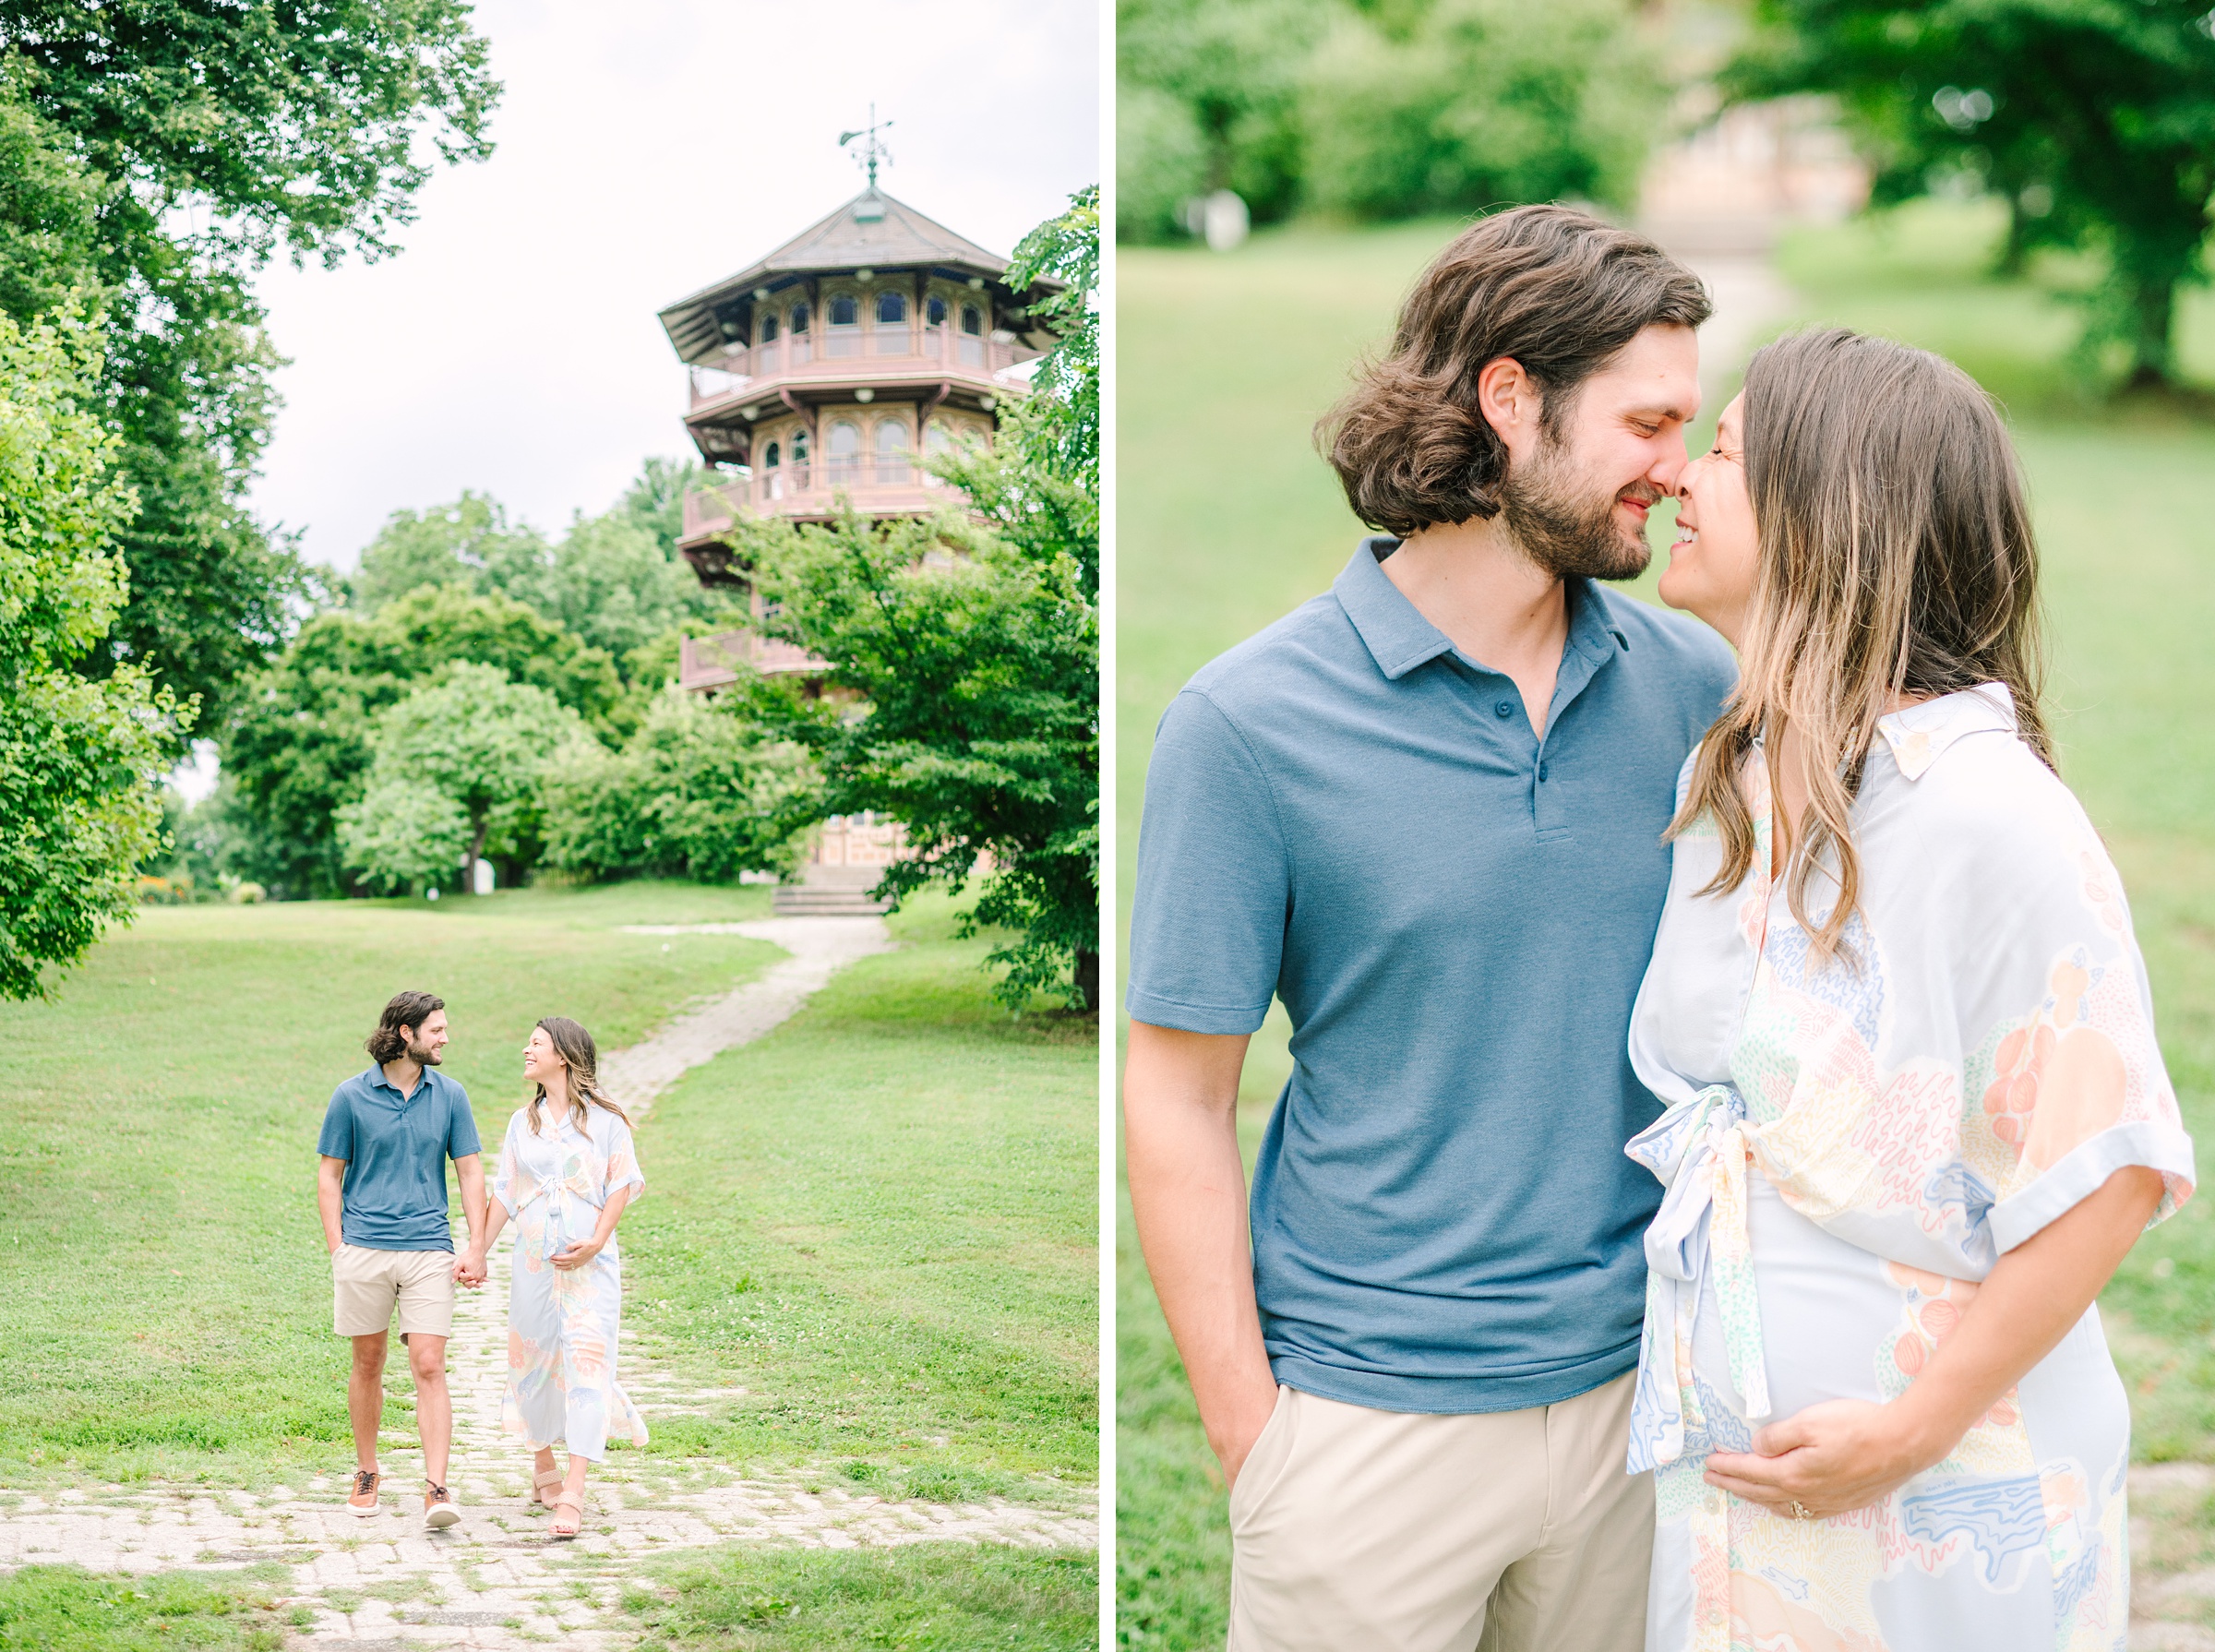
column 405, row 835
column 977, row 675
column 655, row 500
column 1478, row 102
column 610, row 582
column 299, row 744
column 1213, row 91
column 79, row 760
column 468, row 543
column 2093, row 119
column 458, row 766
column 210, row 136
column 693, row 795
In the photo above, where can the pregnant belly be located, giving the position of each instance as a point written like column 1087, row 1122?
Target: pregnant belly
column 1827, row 1312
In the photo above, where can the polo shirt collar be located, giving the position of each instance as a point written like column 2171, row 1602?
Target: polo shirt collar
column 1397, row 636
column 377, row 1081
column 1399, row 639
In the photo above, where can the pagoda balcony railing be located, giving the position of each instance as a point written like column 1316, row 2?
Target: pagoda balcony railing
column 840, row 347
column 874, row 484
column 714, row 662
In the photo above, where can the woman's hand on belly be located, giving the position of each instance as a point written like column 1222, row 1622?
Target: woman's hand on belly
column 1829, row 1459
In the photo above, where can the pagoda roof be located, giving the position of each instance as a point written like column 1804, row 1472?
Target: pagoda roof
column 895, row 236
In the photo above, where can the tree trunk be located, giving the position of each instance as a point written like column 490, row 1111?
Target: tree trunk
column 2151, row 319
column 477, row 851
column 1088, row 980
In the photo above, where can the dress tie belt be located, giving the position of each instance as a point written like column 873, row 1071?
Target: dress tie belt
column 1699, row 1149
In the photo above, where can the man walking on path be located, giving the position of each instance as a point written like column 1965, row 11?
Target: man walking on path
column 381, row 1189
column 1426, row 811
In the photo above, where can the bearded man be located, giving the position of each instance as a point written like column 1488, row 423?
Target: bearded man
column 1426, row 811
column 380, row 1185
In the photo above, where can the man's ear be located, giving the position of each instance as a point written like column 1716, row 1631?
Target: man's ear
column 1509, row 398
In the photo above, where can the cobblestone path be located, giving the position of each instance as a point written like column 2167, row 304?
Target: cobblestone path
column 495, row 1581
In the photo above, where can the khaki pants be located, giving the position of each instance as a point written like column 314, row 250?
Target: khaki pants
column 1355, row 1530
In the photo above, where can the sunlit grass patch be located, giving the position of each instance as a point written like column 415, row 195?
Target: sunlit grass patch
column 918, row 1597
column 67, row 1609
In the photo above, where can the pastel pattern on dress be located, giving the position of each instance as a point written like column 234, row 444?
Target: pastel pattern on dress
column 563, row 1325
column 1849, row 1144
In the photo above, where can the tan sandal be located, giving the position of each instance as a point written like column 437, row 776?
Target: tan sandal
column 576, row 1525
column 540, row 1481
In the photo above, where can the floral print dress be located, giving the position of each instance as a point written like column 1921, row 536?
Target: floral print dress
column 1848, row 1147
column 563, row 1326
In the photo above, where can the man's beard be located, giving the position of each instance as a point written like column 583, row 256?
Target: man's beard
column 424, row 1055
column 1563, row 527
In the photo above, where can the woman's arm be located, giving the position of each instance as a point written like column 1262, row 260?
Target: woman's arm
column 575, row 1256
column 1845, row 1454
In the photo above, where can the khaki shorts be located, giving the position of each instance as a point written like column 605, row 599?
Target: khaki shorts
column 1507, row 1531
column 366, row 1284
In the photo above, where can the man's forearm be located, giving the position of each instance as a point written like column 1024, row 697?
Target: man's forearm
column 330, row 1205
column 471, row 1177
column 1188, row 1195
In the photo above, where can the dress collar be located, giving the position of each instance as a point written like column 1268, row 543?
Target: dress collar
column 1920, row 734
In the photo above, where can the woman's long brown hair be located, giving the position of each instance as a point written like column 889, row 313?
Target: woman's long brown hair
column 1896, row 557
column 574, row 1045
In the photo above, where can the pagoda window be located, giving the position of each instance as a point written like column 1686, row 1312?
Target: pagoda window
column 844, row 444
column 937, row 440
column 845, row 317
column 770, row 456
column 769, row 326
column 934, row 311
column 799, row 347
column 972, row 343
column 892, row 324
column 772, row 477
column 765, row 343
column 892, row 467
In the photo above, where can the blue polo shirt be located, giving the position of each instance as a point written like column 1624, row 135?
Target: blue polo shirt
column 396, row 1148
column 1351, row 815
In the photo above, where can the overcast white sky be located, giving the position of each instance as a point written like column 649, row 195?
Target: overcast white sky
column 646, row 149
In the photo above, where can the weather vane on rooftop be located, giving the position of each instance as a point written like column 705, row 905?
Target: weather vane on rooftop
column 872, row 150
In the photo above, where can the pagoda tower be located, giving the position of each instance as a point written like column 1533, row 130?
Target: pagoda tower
column 825, row 370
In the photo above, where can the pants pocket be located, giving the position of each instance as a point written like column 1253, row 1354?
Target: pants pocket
column 1266, row 1462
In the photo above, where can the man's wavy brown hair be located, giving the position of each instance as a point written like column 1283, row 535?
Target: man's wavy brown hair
column 407, row 1012
column 1559, row 290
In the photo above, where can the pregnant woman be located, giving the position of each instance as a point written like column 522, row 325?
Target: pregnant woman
column 1916, row 1114
column 567, row 1172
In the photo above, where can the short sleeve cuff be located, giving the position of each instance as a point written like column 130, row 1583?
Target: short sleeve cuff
column 1158, row 1012
column 2152, row 1143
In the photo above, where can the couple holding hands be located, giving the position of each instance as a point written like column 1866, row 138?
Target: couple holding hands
column 567, row 1172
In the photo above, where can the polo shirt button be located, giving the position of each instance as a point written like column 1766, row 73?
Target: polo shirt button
column 1506, row 707
column 1542, row 771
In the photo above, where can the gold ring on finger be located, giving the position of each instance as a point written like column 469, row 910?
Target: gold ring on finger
column 1800, row 1511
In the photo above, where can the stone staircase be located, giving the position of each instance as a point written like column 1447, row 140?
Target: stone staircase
column 831, row 892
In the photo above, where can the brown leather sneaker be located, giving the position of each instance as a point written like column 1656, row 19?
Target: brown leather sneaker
column 439, row 1511
column 363, row 1501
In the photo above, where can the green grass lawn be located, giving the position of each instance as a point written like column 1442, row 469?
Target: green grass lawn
column 67, row 1609
column 1228, row 520
column 923, row 1598
column 164, row 1290
column 881, row 1220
